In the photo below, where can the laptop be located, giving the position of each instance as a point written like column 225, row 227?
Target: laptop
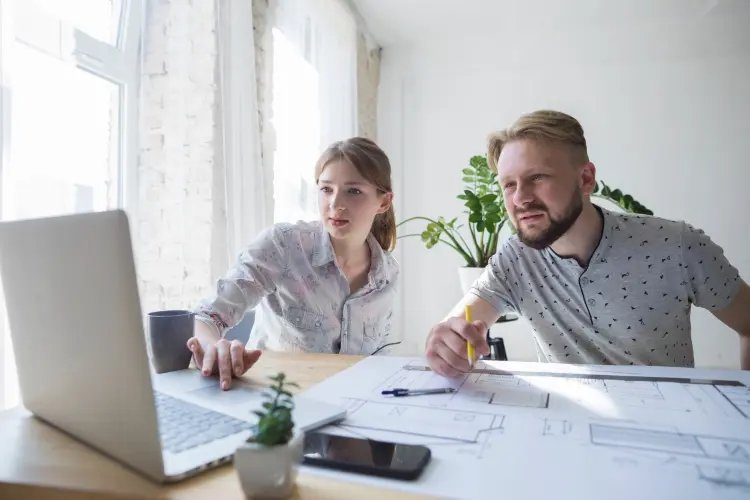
column 78, row 337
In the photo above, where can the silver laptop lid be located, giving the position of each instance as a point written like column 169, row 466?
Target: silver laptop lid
column 75, row 318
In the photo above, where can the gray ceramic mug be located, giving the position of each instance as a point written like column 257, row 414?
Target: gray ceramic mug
column 168, row 333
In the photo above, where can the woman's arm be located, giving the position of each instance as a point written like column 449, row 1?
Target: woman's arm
column 247, row 282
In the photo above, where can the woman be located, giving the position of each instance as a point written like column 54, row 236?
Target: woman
column 323, row 286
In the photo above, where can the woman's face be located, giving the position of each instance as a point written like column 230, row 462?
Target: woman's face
column 348, row 203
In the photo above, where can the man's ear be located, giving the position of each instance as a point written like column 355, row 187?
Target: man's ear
column 386, row 203
column 588, row 178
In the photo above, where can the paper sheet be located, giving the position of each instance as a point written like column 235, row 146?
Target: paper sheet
column 531, row 436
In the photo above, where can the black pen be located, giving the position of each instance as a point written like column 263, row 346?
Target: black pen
column 406, row 392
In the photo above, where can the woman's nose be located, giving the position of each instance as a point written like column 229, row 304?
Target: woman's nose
column 336, row 202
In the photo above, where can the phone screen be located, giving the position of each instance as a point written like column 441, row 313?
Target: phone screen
column 367, row 456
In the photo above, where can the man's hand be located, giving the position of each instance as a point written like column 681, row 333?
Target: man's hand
column 227, row 359
column 446, row 345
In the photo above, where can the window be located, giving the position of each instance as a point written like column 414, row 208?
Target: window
column 71, row 68
column 74, row 115
column 314, row 97
column 97, row 18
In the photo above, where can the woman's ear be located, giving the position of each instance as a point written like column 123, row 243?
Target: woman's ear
column 385, row 203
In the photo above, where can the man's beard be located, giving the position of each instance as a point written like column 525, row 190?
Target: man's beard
column 558, row 226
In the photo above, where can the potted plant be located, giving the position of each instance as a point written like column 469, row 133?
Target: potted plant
column 267, row 462
column 486, row 217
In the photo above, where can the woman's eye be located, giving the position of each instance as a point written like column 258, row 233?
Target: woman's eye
column 325, row 189
column 355, row 191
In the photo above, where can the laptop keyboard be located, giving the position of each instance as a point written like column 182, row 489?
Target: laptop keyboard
column 184, row 425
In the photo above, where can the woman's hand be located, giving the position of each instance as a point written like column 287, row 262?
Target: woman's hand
column 225, row 358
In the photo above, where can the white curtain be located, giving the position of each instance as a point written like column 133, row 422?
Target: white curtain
column 249, row 196
column 314, row 96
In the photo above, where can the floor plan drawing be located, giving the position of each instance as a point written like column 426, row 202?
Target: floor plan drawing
column 539, row 434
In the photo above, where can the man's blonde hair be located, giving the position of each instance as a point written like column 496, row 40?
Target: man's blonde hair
column 543, row 125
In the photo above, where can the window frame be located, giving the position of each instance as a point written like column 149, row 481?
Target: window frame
column 118, row 62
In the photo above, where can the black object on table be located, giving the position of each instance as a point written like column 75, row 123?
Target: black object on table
column 497, row 346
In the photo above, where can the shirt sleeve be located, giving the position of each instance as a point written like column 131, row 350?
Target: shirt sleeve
column 711, row 281
column 252, row 277
column 492, row 286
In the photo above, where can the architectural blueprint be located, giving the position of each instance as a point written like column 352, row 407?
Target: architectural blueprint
column 591, row 432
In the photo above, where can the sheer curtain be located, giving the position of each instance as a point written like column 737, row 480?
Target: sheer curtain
column 249, row 200
column 314, row 93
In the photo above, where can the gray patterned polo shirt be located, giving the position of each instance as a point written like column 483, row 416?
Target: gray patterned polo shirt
column 631, row 305
column 303, row 302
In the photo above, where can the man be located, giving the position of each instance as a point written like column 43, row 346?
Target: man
column 597, row 286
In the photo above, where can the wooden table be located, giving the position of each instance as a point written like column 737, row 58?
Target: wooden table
column 39, row 462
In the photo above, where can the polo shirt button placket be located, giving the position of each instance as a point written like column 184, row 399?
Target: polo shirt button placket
column 592, row 302
column 584, row 281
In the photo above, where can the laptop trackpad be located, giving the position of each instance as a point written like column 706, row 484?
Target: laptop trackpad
column 242, row 398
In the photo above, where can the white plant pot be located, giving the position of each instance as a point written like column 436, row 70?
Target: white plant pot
column 269, row 472
column 467, row 276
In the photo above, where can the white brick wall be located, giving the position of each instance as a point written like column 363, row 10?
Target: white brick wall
column 368, row 79
column 178, row 167
column 180, row 233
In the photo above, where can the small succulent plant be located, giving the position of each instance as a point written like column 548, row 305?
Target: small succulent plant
column 275, row 425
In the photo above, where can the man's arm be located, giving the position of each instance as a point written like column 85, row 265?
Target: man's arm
column 737, row 317
column 480, row 310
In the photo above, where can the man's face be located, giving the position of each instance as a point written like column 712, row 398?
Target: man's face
column 543, row 188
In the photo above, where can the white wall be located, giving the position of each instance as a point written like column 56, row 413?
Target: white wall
column 664, row 106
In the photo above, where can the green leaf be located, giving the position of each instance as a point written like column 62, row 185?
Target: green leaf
column 480, row 226
column 467, row 179
column 468, row 171
column 474, row 205
column 462, row 197
column 492, row 218
column 616, row 194
column 478, row 161
column 475, row 217
column 493, row 208
column 487, row 198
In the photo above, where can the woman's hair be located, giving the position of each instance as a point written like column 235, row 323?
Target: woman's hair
column 540, row 125
column 372, row 163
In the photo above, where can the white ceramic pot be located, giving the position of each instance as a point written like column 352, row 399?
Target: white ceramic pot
column 269, row 472
column 467, row 276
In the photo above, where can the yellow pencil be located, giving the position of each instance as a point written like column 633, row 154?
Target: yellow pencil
column 469, row 346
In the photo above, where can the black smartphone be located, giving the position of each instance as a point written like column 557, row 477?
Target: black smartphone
column 365, row 456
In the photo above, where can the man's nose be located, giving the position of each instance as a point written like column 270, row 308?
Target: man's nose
column 523, row 195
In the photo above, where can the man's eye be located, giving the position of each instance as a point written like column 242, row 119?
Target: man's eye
column 537, row 177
